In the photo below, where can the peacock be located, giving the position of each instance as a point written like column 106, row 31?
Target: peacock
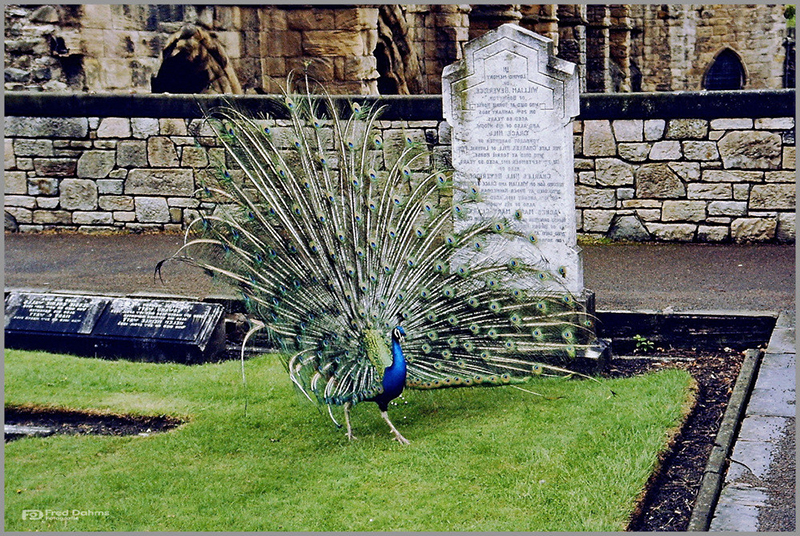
column 374, row 275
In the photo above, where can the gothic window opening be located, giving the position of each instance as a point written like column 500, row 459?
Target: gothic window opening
column 725, row 73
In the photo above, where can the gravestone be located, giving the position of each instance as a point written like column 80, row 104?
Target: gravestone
column 97, row 326
column 510, row 103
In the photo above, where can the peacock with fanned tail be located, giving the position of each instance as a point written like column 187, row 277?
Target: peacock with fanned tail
column 371, row 276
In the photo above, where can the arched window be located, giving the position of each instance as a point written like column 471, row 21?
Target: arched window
column 725, row 72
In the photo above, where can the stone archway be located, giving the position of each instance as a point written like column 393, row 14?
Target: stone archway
column 194, row 61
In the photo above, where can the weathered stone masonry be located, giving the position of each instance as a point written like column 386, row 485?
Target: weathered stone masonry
column 388, row 48
column 695, row 179
column 721, row 172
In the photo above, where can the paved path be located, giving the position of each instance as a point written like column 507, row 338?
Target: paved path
column 760, row 484
column 759, row 489
column 637, row 276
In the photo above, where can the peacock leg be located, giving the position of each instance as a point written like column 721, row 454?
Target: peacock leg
column 400, row 439
column 350, row 435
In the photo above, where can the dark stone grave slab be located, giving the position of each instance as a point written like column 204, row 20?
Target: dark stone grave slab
column 112, row 328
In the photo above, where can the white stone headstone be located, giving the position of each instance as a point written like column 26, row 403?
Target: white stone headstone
column 510, row 103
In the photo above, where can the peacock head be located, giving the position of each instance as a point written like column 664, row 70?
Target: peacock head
column 398, row 334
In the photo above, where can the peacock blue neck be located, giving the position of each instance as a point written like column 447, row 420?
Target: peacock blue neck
column 398, row 360
column 394, row 378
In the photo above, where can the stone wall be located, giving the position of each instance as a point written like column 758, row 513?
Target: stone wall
column 617, row 47
column 686, row 179
column 676, row 44
column 113, row 47
column 682, row 167
column 88, row 47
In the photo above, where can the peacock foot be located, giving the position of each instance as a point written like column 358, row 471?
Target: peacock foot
column 350, row 436
column 400, row 439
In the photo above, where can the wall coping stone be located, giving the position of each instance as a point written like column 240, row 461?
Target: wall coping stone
column 689, row 104
column 662, row 105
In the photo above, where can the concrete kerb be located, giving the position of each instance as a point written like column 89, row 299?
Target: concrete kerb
column 745, row 493
column 714, row 473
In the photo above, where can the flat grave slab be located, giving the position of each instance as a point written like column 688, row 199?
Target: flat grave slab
column 115, row 328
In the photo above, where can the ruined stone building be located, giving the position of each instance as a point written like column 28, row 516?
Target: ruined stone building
column 385, row 49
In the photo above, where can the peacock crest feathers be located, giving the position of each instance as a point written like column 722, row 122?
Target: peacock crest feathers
column 331, row 245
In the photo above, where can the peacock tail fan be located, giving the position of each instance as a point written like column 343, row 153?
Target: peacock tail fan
column 331, row 245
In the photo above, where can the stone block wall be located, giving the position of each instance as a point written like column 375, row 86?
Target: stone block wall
column 101, row 174
column 334, row 44
column 717, row 180
column 700, row 168
column 677, row 43
column 617, row 47
column 134, row 174
column 115, row 47
column 102, row 47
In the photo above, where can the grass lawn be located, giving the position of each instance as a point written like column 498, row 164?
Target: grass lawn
column 480, row 459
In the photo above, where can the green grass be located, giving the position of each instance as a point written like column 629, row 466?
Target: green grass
column 481, row 459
